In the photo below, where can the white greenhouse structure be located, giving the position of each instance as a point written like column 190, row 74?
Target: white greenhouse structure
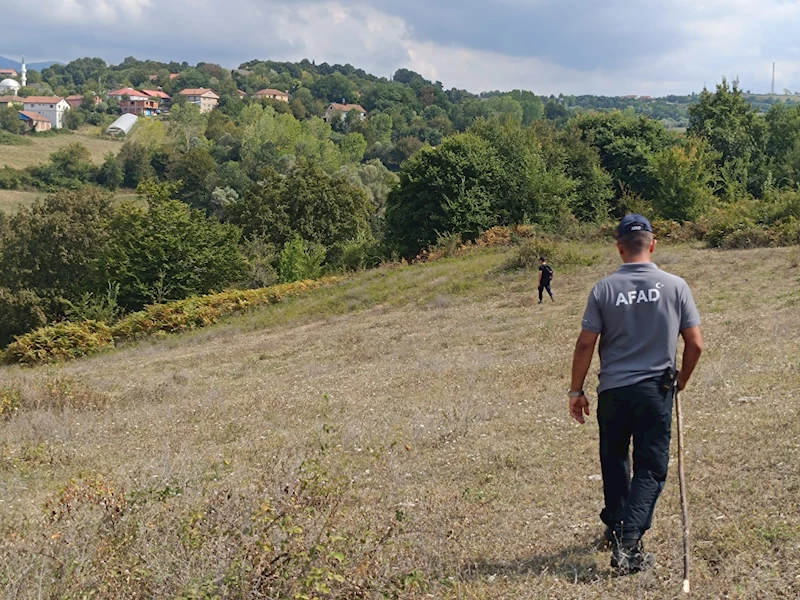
column 123, row 125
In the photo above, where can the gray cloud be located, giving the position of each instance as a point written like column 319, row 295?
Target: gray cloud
column 576, row 34
column 550, row 46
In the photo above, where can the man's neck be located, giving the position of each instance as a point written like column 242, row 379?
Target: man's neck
column 639, row 258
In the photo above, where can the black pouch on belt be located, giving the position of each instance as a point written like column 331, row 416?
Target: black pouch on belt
column 668, row 379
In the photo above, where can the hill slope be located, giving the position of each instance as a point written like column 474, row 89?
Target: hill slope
column 41, row 147
column 427, row 405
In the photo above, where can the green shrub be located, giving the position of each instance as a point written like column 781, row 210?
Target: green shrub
column 12, row 139
column 300, row 260
column 787, row 233
column 746, row 237
column 260, row 258
column 752, row 223
column 20, row 312
column 67, row 340
column 558, row 254
column 201, row 311
column 448, row 244
column 360, row 253
column 10, row 179
column 61, row 341
column 95, row 307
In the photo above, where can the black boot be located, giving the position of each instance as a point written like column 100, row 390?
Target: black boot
column 629, row 557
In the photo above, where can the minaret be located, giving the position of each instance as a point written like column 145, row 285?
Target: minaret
column 24, row 75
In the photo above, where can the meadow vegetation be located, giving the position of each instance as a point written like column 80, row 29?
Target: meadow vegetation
column 309, row 363
column 399, row 433
column 38, row 148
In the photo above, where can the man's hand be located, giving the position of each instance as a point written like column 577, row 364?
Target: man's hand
column 681, row 382
column 578, row 407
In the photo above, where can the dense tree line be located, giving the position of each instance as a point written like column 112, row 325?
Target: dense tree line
column 260, row 194
column 734, row 167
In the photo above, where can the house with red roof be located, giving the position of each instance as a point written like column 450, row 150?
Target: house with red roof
column 164, row 99
column 205, row 98
column 35, row 121
column 76, row 100
column 134, row 102
column 6, row 101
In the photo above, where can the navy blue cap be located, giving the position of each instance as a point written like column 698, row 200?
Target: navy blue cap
column 631, row 223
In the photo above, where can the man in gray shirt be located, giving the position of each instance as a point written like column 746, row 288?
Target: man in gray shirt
column 638, row 313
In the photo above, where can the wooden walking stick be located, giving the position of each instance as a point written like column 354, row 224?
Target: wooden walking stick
column 684, row 503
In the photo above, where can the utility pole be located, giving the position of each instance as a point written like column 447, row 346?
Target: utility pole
column 772, row 92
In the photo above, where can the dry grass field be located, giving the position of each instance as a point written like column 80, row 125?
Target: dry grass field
column 12, row 200
column 19, row 157
column 404, row 434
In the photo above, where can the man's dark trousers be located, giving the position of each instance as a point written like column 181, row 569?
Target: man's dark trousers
column 542, row 288
column 642, row 411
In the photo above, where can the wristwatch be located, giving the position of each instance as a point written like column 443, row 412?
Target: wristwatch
column 572, row 394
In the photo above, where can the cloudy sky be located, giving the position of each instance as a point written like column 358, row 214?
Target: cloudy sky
column 652, row 47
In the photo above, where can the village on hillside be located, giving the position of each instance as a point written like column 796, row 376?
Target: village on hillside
column 45, row 112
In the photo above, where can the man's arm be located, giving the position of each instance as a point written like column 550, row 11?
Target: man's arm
column 581, row 361
column 693, row 348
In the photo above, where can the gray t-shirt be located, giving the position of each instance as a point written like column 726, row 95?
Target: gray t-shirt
column 639, row 312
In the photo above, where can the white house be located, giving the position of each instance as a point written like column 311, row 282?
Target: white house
column 51, row 107
column 340, row 111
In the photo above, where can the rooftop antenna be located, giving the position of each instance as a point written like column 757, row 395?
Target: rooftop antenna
column 772, row 92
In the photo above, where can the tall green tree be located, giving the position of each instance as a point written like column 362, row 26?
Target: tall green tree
column 195, row 172
column 626, row 145
column 335, row 88
column 532, row 190
column 736, row 131
column 187, row 124
column 51, row 247
column 593, row 189
column 783, row 144
column 168, row 251
column 10, row 121
column 684, row 177
column 134, row 159
column 308, row 202
column 449, row 189
column 532, row 105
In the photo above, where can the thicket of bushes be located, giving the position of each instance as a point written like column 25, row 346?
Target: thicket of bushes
column 66, row 340
column 77, row 256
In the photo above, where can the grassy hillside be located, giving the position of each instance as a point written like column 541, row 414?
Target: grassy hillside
column 12, row 200
column 28, row 155
column 404, row 431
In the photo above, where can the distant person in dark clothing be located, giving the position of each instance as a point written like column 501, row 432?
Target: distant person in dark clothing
column 545, row 278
